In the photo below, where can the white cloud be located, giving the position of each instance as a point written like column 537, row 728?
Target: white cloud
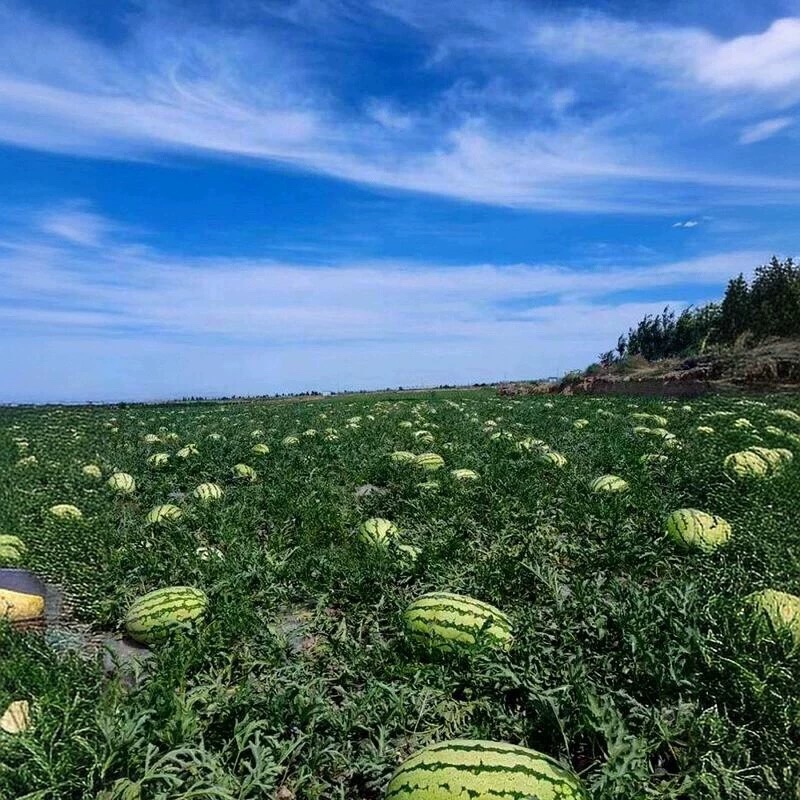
column 764, row 130
column 182, row 88
column 689, row 223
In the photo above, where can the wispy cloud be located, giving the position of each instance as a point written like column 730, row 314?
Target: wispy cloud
column 764, row 130
column 689, row 223
column 252, row 93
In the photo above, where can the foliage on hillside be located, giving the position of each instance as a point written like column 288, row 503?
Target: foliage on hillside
column 768, row 306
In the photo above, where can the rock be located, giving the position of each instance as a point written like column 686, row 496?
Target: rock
column 368, row 489
column 126, row 658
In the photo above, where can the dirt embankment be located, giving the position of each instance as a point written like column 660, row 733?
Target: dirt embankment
column 768, row 367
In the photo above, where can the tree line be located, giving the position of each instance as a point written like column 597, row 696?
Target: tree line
column 769, row 305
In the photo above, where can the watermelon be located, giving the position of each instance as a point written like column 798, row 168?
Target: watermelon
column 122, row 483
column 649, row 419
column 288, row 441
column 472, row 769
column 429, row 461
column 448, row 620
column 697, row 529
column 164, row 514
column 66, row 511
column 402, row 456
column 259, row 449
column 153, row 615
column 552, row 458
column 92, row 471
column 150, row 438
column 746, row 464
column 12, row 548
column 609, row 483
column 378, row 531
column 465, row 475
column 187, row 451
column 208, row 492
column 780, row 610
column 244, row 472
column 158, row 460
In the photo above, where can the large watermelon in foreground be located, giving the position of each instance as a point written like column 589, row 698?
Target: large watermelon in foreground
column 447, row 620
column 471, row 769
column 154, row 614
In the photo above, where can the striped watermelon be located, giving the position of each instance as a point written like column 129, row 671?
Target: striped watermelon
column 208, row 492
column 92, row 471
column 165, row 513
column 697, row 529
column 471, row 769
column 446, row 620
column 609, row 483
column 188, row 451
column 12, row 548
column 402, row 456
column 465, row 475
column 259, row 449
column 158, row 460
column 378, row 531
column 746, row 464
column 244, row 472
column 552, row 457
column 122, row 483
column 66, row 511
column 780, row 610
column 154, row 614
column 429, row 461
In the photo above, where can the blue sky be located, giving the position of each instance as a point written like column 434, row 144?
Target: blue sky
column 280, row 195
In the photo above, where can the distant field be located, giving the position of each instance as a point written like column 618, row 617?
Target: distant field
column 636, row 660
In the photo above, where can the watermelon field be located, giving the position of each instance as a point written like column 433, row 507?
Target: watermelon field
column 442, row 596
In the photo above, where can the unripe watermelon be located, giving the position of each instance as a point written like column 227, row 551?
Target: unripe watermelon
column 780, row 610
column 12, row 548
column 244, row 472
column 66, row 511
column 208, row 492
column 609, row 483
column 697, row 529
column 552, row 458
column 471, row 769
column 429, row 461
column 121, row 483
column 163, row 514
column 449, row 620
column 378, row 531
column 156, row 613
column 465, row 475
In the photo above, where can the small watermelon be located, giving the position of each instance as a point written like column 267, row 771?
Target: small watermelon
column 244, row 472
column 447, row 620
column 465, row 475
column 158, row 460
column 92, row 471
column 164, row 514
column 12, row 549
column 402, row 457
column 208, row 492
column 378, row 531
column 429, row 461
column 156, row 613
column 746, row 464
column 121, row 483
column 779, row 610
column 609, row 483
column 66, row 511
